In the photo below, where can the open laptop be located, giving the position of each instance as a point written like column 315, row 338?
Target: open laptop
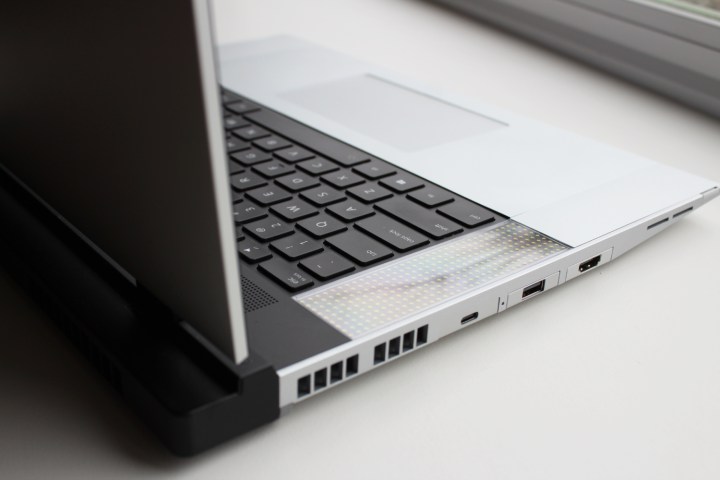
column 314, row 211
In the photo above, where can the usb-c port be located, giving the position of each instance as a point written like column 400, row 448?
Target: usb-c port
column 469, row 318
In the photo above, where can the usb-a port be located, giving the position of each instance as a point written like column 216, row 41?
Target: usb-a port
column 533, row 289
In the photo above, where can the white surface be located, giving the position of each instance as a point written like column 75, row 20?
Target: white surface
column 614, row 375
column 564, row 185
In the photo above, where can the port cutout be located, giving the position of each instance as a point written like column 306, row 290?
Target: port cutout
column 533, row 289
column 588, row 264
column 658, row 223
column 469, row 318
column 683, row 212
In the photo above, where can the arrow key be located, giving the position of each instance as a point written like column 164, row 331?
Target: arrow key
column 253, row 252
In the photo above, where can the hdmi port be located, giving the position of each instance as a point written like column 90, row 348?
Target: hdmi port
column 588, row 264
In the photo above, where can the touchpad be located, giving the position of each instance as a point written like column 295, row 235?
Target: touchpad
column 390, row 113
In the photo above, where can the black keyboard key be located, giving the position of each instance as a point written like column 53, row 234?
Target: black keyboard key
column 323, row 195
column 431, row 197
column 375, row 169
column 418, row 217
column 343, row 179
column 402, row 183
column 246, row 212
column 234, row 121
column 269, row 228
column 286, row 274
column 227, row 96
column 391, row 232
column 321, row 226
column 237, row 196
column 242, row 107
column 297, row 182
column 467, row 213
column 369, row 192
column 253, row 252
column 234, row 167
column 250, row 157
column 296, row 246
column 293, row 154
column 333, row 149
column 327, row 265
column 250, row 133
column 294, row 210
column 233, row 145
column 239, row 234
column 351, row 210
column 247, row 181
column 270, row 144
column 273, row 169
column 269, row 195
column 317, row 166
column 361, row 248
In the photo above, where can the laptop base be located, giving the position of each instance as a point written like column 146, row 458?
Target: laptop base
column 188, row 392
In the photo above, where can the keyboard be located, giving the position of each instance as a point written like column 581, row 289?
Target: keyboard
column 309, row 209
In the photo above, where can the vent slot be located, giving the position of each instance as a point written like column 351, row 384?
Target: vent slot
column 351, row 365
column 336, row 372
column 422, row 335
column 321, row 379
column 254, row 297
column 658, row 223
column 394, row 347
column 379, row 354
column 303, row 386
column 683, row 212
column 408, row 341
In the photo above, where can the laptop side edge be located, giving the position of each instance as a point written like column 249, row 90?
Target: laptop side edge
column 208, row 72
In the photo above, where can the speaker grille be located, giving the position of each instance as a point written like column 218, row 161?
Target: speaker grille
column 254, row 297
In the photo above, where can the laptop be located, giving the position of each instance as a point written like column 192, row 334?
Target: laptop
column 294, row 207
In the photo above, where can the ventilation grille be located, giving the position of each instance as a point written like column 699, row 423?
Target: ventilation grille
column 335, row 373
column 254, row 297
column 400, row 344
column 341, row 370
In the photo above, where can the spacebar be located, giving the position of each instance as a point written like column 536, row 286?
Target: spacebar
column 309, row 138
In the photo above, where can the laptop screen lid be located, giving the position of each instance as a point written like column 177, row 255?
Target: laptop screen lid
column 110, row 113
